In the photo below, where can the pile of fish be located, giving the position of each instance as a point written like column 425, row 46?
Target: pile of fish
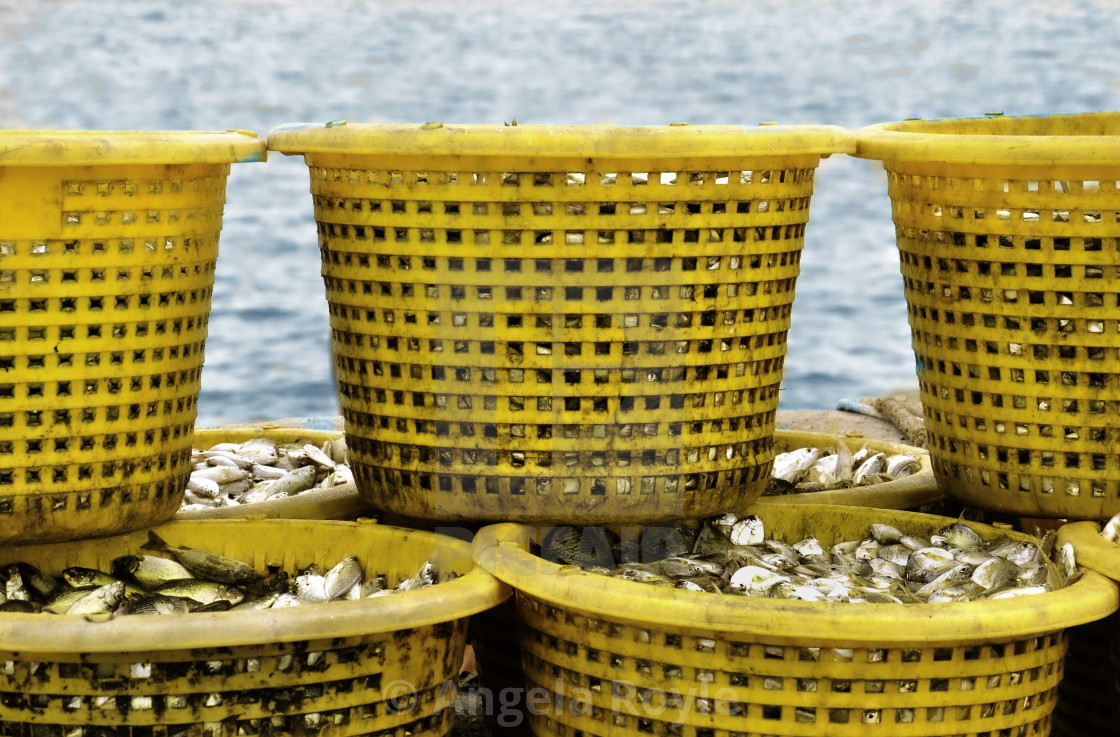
column 187, row 580
column 732, row 555
column 815, row 469
column 230, row 474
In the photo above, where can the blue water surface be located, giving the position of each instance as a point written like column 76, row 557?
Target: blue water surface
column 214, row 64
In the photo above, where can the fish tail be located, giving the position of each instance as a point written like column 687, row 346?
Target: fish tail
column 155, row 542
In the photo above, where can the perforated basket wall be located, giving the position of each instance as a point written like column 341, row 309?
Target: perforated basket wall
column 614, row 657
column 1006, row 229
column 1089, row 695
column 107, row 251
column 500, row 664
column 542, row 322
column 381, row 666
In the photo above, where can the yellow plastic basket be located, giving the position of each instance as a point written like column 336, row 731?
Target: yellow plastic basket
column 1089, row 704
column 583, row 323
column 385, row 665
column 1006, row 228
column 341, row 502
column 611, row 657
column 107, row 249
column 1087, row 697
column 909, row 492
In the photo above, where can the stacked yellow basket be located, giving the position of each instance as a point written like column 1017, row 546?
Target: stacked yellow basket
column 586, row 325
column 108, row 242
column 621, row 657
column 574, row 323
column 557, row 325
column 1006, row 228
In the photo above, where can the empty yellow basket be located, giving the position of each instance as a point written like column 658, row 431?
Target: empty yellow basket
column 107, row 249
column 1007, row 229
column 559, row 322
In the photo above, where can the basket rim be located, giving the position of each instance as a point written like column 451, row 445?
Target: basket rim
column 911, row 491
column 503, row 550
column 468, row 594
column 933, row 141
column 1090, row 549
column 125, row 147
column 641, row 143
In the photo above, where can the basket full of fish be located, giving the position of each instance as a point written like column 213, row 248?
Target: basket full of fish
column 795, row 619
column 285, row 473
column 829, row 468
column 229, row 627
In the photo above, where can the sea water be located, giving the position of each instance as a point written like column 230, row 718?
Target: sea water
column 211, row 64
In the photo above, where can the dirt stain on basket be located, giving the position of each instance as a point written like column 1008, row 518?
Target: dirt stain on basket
column 404, row 645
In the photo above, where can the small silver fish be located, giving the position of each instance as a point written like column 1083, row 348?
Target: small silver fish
column 258, row 450
column 896, row 553
column 235, row 489
column 261, row 472
column 797, row 592
column 343, row 577
column 885, row 534
column 149, row 570
column 100, row 600
column 205, row 564
column 952, row 577
column 994, row 572
column 927, row 564
column 61, row 602
column 14, row 587
column 204, row 592
column 426, row 576
column 868, row 549
column 42, row 585
column 1067, row 564
column 311, row 589
column 1018, row 552
column 915, row 542
column 960, row 535
column 203, row 487
column 747, row 531
column 1111, row 529
column 262, row 602
column 871, row 470
column 792, row 466
column 153, row 604
column 807, row 547
column 887, row 568
column 317, row 456
column 756, row 579
column 293, row 482
column 901, row 465
column 85, row 578
column 286, row 600
column 221, row 474
column 217, row 457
